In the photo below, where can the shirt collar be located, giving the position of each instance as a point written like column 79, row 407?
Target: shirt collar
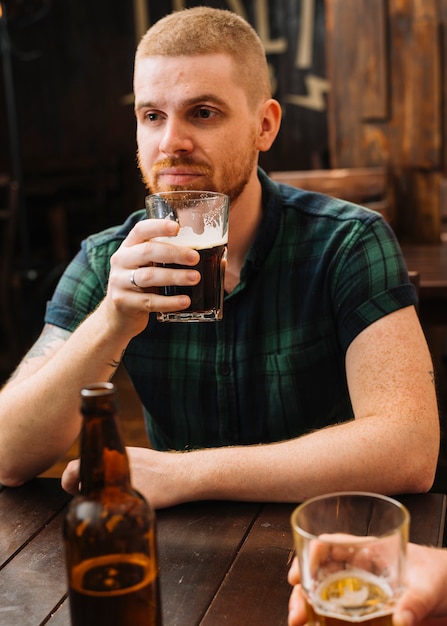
column 268, row 228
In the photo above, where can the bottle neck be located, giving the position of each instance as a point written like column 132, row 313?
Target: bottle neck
column 104, row 462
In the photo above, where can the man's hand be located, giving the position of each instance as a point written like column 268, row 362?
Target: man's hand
column 159, row 476
column 423, row 602
column 70, row 477
column 135, row 275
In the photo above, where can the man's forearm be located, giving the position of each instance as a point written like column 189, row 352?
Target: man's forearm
column 367, row 454
column 39, row 416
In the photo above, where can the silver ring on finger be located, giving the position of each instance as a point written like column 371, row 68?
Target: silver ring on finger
column 132, row 278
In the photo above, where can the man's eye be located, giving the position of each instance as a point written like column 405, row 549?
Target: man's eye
column 152, row 117
column 205, row 114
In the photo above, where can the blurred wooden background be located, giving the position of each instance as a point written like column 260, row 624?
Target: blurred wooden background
column 387, row 104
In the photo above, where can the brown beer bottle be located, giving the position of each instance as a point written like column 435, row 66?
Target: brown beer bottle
column 109, row 528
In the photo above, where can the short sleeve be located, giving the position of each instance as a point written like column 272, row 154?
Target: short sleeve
column 370, row 279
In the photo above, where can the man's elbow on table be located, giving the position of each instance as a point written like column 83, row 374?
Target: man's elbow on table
column 9, row 479
column 17, row 472
column 420, row 483
column 418, row 470
column 10, row 470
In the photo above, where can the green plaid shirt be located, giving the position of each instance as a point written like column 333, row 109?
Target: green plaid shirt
column 319, row 272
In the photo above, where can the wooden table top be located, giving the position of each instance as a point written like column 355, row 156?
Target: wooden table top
column 220, row 562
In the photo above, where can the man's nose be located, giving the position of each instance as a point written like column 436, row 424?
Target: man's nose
column 176, row 138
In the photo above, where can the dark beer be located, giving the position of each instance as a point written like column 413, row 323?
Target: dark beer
column 351, row 597
column 114, row 589
column 203, row 226
column 207, row 295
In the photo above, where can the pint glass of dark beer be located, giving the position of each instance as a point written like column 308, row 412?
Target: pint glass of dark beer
column 351, row 547
column 203, row 220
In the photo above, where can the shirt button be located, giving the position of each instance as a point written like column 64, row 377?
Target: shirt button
column 225, row 369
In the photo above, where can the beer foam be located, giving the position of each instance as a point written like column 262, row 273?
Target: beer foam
column 210, row 238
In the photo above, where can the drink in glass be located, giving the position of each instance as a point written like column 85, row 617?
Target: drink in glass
column 203, row 220
column 351, row 548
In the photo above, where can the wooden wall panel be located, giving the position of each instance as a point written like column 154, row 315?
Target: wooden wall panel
column 344, row 130
column 356, row 95
column 416, row 83
column 373, row 60
column 443, row 62
column 386, row 100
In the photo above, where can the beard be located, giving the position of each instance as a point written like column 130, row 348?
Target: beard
column 232, row 181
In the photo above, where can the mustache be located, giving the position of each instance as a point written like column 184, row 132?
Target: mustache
column 167, row 163
column 152, row 176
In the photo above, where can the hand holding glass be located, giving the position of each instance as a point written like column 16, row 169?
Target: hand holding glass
column 203, row 220
column 351, row 548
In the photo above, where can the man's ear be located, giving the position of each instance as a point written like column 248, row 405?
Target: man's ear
column 270, row 123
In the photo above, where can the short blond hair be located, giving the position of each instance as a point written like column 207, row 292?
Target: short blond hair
column 204, row 30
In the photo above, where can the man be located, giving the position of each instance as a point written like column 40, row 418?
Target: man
column 317, row 379
column 424, row 600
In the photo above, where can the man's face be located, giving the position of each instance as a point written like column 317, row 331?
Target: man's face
column 195, row 128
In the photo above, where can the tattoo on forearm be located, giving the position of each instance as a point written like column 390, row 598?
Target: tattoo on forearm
column 115, row 364
column 43, row 346
column 432, row 376
column 46, row 340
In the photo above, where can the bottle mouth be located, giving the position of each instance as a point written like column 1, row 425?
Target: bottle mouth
column 95, row 390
